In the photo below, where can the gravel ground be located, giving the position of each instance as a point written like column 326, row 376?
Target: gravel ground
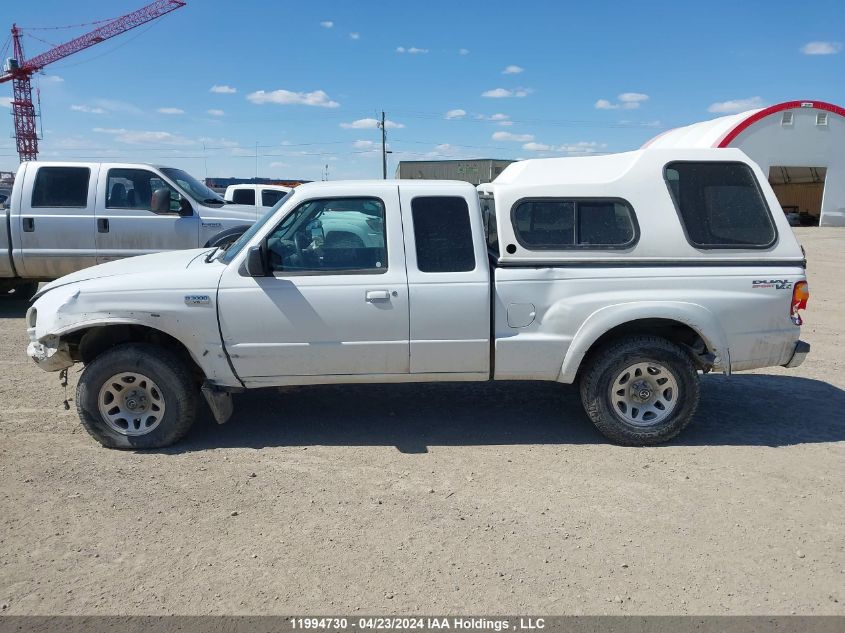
column 491, row 498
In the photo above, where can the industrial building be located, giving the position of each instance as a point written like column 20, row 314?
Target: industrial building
column 475, row 171
column 799, row 144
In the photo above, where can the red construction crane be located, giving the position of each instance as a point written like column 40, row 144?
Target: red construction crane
column 19, row 70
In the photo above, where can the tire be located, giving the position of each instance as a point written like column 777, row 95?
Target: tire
column 159, row 382
column 653, row 404
column 19, row 291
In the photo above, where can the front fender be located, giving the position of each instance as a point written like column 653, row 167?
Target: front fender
column 605, row 319
column 67, row 310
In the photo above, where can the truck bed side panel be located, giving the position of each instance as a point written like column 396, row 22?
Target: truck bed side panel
column 744, row 321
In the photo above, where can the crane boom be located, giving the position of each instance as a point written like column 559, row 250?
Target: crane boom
column 107, row 31
column 19, row 71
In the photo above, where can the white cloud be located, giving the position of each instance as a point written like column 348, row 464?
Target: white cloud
column 444, row 147
column 413, row 50
column 113, row 105
column 735, row 105
column 87, row 109
column 513, row 69
column 170, row 111
column 457, row 113
column 370, row 124
column 218, row 142
column 355, row 36
column 627, row 101
column 278, row 165
column 582, row 147
column 53, row 79
column 537, row 147
column 327, row 24
column 223, row 90
column 633, row 97
column 821, row 48
column 463, row 51
column 140, row 137
column 363, row 145
column 508, row 136
column 215, row 112
column 504, row 93
column 6, row 102
column 317, row 98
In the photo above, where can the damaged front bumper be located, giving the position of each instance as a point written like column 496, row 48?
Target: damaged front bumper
column 801, row 350
column 51, row 354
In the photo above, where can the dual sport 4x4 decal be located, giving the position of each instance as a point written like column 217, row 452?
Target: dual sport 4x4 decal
column 777, row 284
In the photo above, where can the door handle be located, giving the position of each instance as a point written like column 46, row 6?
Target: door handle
column 28, row 224
column 102, row 225
column 378, row 295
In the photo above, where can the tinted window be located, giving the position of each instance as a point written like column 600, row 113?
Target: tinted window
column 270, row 197
column 604, row 223
column 61, row 187
column 488, row 214
column 243, row 196
column 585, row 223
column 329, row 236
column 138, row 189
column 443, row 235
column 720, row 205
column 545, row 223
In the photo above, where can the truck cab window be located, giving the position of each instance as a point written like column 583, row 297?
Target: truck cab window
column 244, row 196
column 269, row 197
column 140, row 189
column 61, row 187
column 442, row 234
column 326, row 236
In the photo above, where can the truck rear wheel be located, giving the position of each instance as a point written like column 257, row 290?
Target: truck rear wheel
column 640, row 391
column 136, row 396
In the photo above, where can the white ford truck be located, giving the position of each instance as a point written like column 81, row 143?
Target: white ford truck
column 62, row 217
column 627, row 274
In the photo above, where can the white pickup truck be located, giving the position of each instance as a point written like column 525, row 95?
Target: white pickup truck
column 628, row 274
column 62, row 217
column 256, row 195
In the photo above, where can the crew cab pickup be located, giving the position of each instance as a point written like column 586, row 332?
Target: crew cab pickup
column 627, row 274
column 62, row 217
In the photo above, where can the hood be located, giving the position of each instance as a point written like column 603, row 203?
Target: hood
column 244, row 212
column 165, row 263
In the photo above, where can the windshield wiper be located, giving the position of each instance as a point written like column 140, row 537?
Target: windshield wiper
column 214, row 201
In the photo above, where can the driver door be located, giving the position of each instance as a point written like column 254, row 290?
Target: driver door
column 132, row 220
column 335, row 302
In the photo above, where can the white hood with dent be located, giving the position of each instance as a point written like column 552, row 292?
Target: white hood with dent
column 161, row 263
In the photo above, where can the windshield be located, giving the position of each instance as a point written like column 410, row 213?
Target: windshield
column 198, row 191
column 237, row 246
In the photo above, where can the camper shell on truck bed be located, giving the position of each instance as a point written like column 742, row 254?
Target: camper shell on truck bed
column 625, row 274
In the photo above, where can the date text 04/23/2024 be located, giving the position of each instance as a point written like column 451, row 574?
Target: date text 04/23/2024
column 418, row 623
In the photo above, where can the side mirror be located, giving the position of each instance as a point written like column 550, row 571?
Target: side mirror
column 160, row 202
column 255, row 265
column 185, row 208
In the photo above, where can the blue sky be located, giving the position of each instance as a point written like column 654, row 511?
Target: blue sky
column 199, row 88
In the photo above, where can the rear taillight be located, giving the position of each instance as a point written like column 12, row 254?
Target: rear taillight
column 800, row 296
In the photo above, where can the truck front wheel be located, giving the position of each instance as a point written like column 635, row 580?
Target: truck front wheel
column 640, row 391
column 136, row 396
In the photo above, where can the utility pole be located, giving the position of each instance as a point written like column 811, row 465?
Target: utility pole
column 383, row 147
